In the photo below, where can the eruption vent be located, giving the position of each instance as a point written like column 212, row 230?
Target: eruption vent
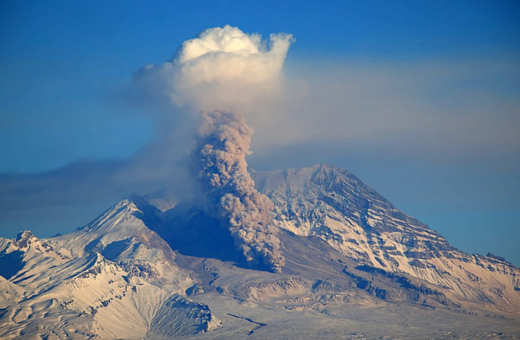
column 223, row 142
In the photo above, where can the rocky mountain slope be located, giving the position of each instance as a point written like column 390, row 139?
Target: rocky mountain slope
column 114, row 278
column 333, row 204
column 355, row 267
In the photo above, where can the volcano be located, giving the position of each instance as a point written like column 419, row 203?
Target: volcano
column 355, row 267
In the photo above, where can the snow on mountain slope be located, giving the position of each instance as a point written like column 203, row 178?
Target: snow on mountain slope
column 350, row 255
column 9, row 293
column 114, row 278
column 333, row 204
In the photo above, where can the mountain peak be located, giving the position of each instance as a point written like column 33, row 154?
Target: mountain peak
column 25, row 238
column 24, row 235
column 128, row 209
column 133, row 270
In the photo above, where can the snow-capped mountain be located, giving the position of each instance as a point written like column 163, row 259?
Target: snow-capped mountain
column 114, row 278
column 355, row 267
column 333, row 204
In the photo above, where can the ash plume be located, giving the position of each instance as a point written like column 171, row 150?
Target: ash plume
column 224, row 67
column 223, row 142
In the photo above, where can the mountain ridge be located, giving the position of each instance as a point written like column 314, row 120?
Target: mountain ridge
column 177, row 272
column 337, row 207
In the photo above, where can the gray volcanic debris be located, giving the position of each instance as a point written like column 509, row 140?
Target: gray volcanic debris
column 223, row 142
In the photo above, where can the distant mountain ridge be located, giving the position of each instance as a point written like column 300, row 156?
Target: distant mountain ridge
column 152, row 268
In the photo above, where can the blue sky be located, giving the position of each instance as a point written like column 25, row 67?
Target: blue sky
column 432, row 95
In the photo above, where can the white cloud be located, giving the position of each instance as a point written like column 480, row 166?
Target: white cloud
column 424, row 108
column 221, row 68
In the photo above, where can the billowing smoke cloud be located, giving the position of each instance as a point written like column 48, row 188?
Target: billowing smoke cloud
column 222, row 71
column 224, row 141
column 221, row 68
